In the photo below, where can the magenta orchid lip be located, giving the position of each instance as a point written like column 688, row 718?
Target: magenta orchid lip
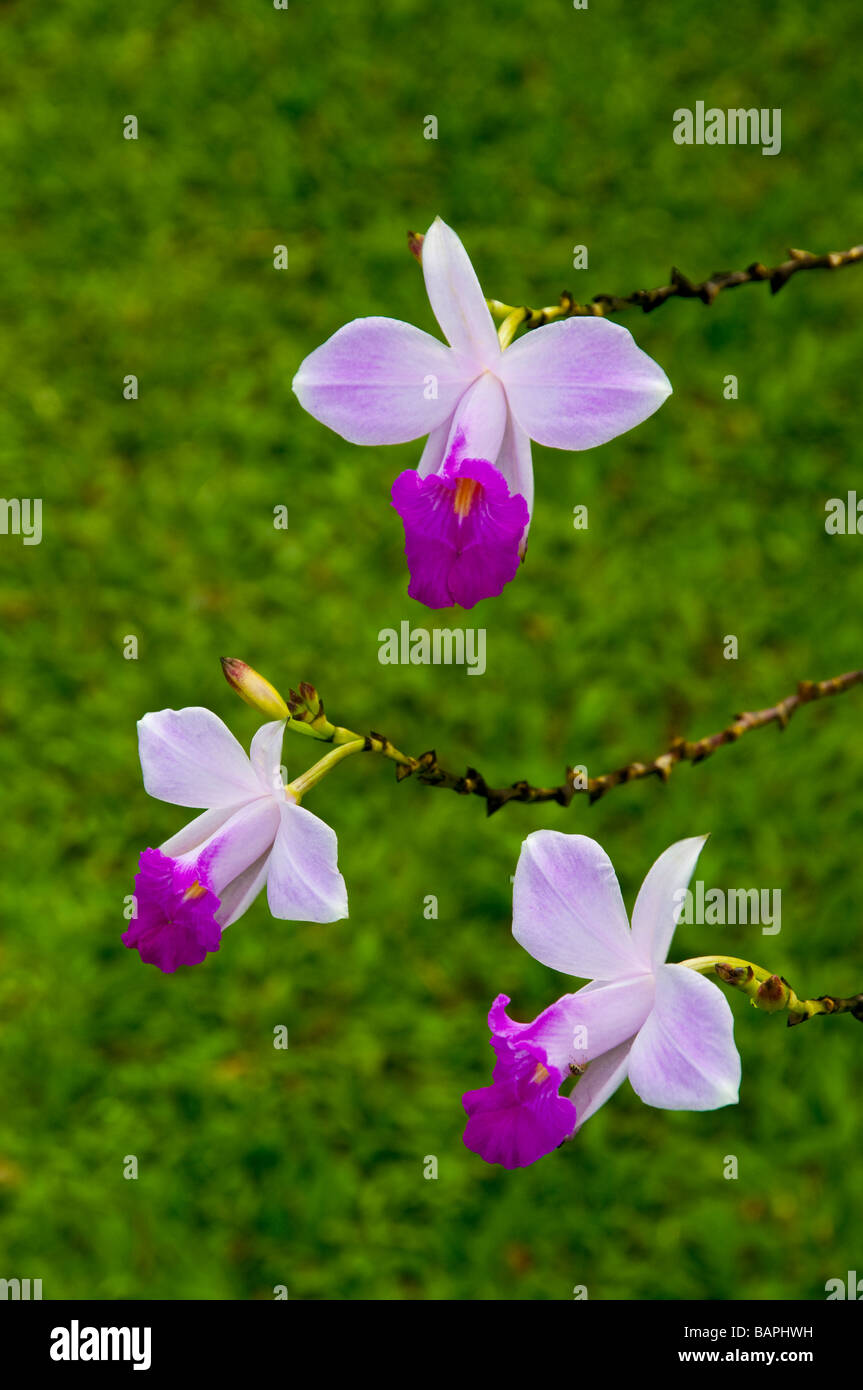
column 463, row 531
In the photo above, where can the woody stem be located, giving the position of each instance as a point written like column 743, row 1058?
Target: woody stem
column 681, row 287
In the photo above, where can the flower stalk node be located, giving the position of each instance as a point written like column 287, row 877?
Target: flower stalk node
column 772, row 993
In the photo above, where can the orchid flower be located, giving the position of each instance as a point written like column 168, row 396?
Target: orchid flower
column 664, row 1026
column 466, row 508
column 252, row 832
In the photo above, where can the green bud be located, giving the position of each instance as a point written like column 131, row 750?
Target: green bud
column 251, row 687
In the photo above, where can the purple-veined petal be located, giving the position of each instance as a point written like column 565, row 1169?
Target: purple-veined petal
column 462, row 532
column 303, row 879
column 660, row 900
column 603, row 1077
column 456, row 297
column 567, row 908
column 684, row 1057
column 266, row 757
column 190, row 758
column 242, row 840
column 381, row 381
column 580, row 382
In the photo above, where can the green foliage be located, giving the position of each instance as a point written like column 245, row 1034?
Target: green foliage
column 304, row 1167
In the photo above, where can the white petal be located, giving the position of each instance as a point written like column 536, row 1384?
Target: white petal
column 605, row 1014
column 600, row 1081
column 661, row 900
column 434, row 452
column 580, row 382
column 515, row 462
column 303, row 880
column 567, row 908
column 381, row 381
column 240, row 842
column 199, row 830
column 240, row 893
column 684, row 1057
column 190, row 758
column 266, row 758
column 456, row 297
column 478, row 423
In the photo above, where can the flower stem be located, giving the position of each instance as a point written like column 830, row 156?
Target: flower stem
column 681, row 287
column 308, row 717
column 511, row 325
column 320, row 769
column 772, row 993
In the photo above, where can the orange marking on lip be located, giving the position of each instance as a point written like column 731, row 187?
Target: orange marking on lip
column 465, row 491
column 541, row 1074
column 195, row 890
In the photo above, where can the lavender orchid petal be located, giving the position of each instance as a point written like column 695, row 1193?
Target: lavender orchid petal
column 240, row 842
column 199, row 830
column 479, row 422
column 516, row 465
column 660, row 900
column 581, row 382
column 579, row 1027
column 265, row 756
column 303, row 880
column 608, row 1014
column 684, row 1057
column 381, row 381
column 190, row 758
column 567, row 909
column 599, row 1083
column 434, row 452
column 456, row 296
column 241, row 892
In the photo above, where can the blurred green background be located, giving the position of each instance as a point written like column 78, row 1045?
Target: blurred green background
column 260, row 1167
